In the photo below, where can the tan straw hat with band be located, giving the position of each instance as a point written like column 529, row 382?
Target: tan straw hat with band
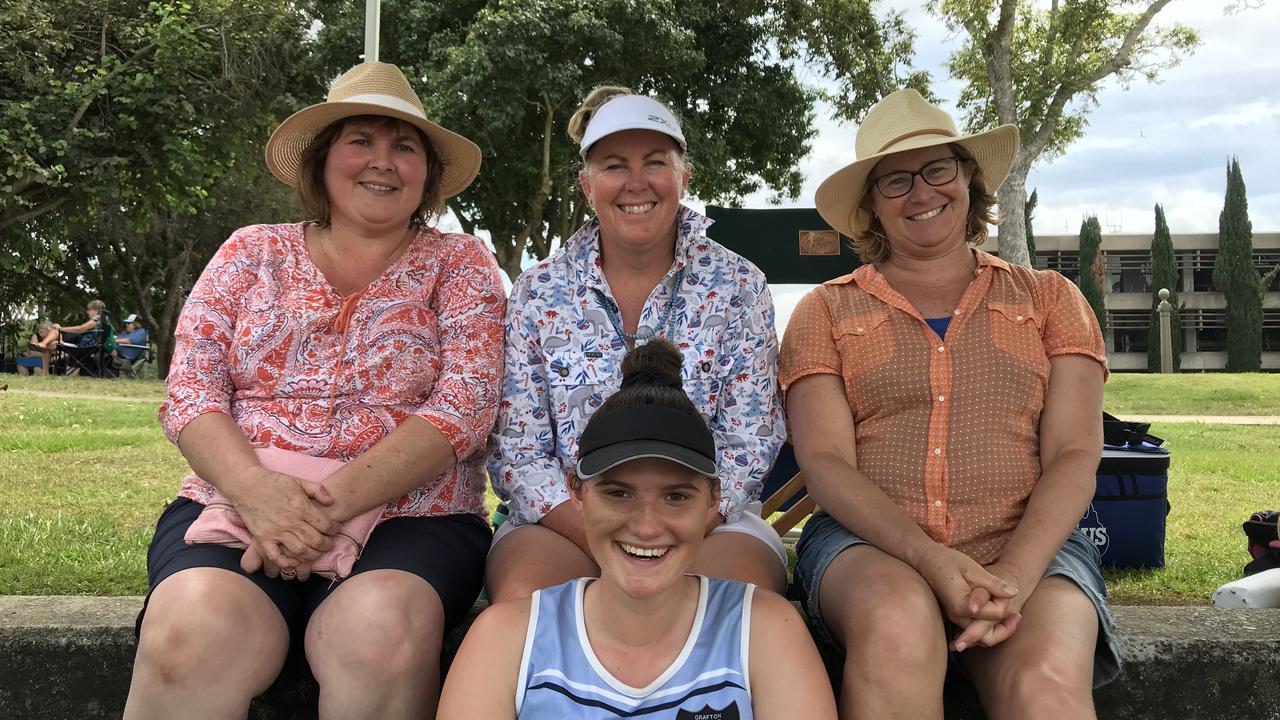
column 371, row 88
column 903, row 120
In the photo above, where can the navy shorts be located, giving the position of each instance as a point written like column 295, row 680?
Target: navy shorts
column 447, row 551
column 1078, row 560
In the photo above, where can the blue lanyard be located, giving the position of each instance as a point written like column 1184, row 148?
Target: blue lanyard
column 611, row 309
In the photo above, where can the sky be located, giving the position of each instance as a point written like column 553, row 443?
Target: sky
column 1166, row 142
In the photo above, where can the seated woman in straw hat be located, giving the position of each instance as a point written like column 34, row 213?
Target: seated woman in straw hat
column 646, row 639
column 642, row 267
column 946, row 410
column 362, row 339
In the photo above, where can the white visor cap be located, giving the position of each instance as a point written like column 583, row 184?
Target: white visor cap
column 631, row 112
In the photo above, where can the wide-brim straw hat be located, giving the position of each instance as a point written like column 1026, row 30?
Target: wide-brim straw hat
column 903, row 120
column 371, row 88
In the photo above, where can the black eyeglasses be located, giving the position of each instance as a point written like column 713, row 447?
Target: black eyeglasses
column 899, row 183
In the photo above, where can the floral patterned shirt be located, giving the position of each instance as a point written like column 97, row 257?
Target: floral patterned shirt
column 266, row 340
column 563, row 354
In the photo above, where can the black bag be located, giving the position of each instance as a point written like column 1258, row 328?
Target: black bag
column 1262, row 529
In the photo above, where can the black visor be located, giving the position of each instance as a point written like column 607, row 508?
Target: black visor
column 613, row 437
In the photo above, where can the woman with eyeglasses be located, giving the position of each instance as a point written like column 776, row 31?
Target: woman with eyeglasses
column 945, row 406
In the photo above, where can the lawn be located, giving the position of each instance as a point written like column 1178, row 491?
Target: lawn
column 1194, row 394
column 83, row 479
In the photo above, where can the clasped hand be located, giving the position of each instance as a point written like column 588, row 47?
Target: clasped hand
column 984, row 602
column 289, row 520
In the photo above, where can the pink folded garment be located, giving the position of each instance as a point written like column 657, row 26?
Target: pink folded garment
column 220, row 524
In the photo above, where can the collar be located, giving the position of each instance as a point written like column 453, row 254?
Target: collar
column 867, row 275
column 583, row 248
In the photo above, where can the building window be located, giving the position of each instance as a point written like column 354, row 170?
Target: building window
column 1271, row 329
column 1066, row 263
column 1266, row 261
column 1210, row 327
column 1129, row 272
column 1129, row 329
column 1200, row 264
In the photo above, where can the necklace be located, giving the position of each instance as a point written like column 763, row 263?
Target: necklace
column 615, row 316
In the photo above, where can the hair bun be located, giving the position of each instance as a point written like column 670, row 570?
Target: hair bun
column 657, row 362
column 650, row 376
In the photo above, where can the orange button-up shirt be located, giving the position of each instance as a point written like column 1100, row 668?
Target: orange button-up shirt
column 947, row 428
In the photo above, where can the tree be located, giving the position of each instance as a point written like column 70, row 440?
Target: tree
column 1041, row 68
column 1093, row 269
column 1029, row 214
column 867, row 56
column 508, row 75
column 120, row 119
column 1164, row 274
column 1235, row 276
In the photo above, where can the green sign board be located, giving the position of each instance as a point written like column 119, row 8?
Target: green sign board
column 791, row 245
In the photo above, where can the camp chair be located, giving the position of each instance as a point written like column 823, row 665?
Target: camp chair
column 91, row 350
column 131, row 369
column 784, row 492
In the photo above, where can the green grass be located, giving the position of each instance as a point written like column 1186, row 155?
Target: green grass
column 1193, row 394
column 151, row 389
column 83, row 480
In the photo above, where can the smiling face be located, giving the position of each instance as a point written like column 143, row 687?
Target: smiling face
column 645, row 521
column 634, row 179
column 928, row 220
column 374, row 174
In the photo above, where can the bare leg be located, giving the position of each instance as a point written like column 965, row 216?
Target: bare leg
column 210, row 642
column 888, row 620
column 374, row 647
column 1045, row 669
column 741, row 557
column 532, row 557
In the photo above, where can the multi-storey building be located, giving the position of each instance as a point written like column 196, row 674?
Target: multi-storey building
column 1129, row 292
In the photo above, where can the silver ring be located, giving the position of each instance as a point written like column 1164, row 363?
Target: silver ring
column 288, row 572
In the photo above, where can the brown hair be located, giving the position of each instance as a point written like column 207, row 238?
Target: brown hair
column 870, row 241
column 314, row 199
column 97, row 305
column 651, row 378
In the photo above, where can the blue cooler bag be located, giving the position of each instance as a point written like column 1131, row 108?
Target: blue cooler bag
column 1126, row 520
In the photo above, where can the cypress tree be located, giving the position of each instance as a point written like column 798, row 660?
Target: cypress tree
column 1091, row 261
column 1029, row 212
column 1235, row 276
column 1164, row 274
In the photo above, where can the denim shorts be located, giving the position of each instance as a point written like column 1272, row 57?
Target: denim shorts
column 1078, row 560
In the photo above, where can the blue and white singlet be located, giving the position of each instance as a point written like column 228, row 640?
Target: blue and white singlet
column 561, row 677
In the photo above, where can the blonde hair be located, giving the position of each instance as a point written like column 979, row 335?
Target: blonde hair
column 97, row 305
column 602, row 94
column 581, row 118
column 314, row 198
column 870, row 241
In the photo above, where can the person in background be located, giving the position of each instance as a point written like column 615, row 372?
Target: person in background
column 646, row 639
column 642, row 268
column 363, row 335
column 79, row 340
column 946, row 407
column 41, row 346
column 131, row 344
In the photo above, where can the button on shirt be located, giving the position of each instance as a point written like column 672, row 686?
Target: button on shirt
column 265, row 339
column 948, row 429
column 564, row 354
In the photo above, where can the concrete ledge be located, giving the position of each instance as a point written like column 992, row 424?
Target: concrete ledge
column 72, row 656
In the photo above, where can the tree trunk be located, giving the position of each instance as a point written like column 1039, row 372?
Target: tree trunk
column 508, row 259
column 1012, row 196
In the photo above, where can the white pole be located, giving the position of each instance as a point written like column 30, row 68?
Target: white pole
column 1166, row 335
column 372, row 20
